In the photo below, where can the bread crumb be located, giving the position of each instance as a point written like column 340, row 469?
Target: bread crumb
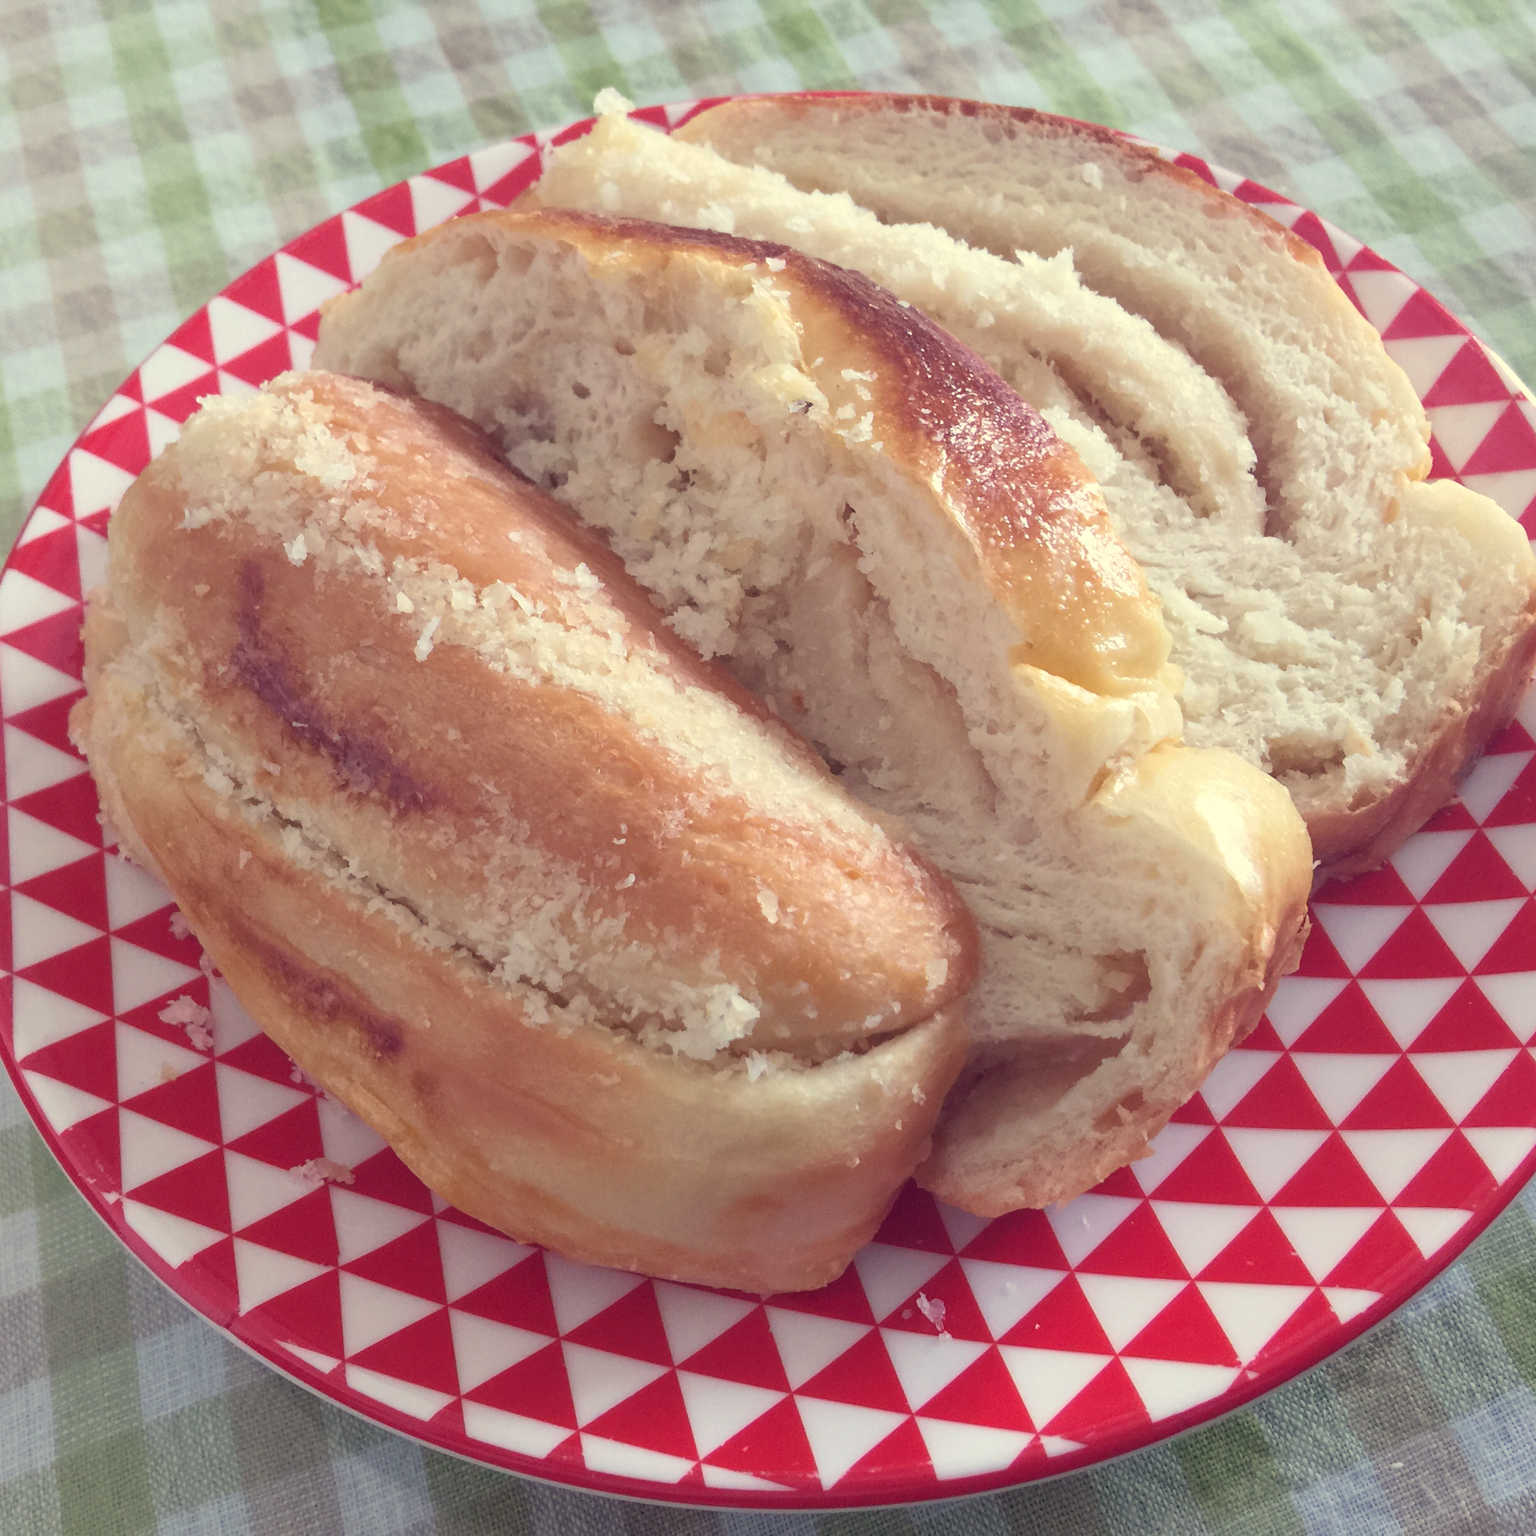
column 180, row 927
column 403, row 604
column 317, row 1170
column 425, row 643
column 934, row 1312
column 192, row 1017
column 609, row 103
column 168, row 1073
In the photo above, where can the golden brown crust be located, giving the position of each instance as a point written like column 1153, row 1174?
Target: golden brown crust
column 345, row 812
column 436, row 772
column 1199, row 829
column 574, row 1137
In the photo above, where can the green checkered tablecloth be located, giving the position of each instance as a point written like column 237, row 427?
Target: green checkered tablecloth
column 149, row 152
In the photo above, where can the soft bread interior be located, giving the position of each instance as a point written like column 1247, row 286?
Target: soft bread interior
column 1338, row 623
column 759, row 445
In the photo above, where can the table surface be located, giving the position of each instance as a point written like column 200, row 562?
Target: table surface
column 150, row 152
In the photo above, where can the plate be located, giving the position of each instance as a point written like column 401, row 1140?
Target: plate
column 1379, row 1117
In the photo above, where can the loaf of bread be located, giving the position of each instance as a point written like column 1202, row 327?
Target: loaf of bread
column 592, row 939
column 1340, row 622
column 826, row 490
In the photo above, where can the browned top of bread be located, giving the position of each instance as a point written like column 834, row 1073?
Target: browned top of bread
column 535, row 763
column 1135, row 913
column 599, row 945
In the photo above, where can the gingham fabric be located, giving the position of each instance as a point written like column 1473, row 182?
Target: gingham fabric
column 153, row 152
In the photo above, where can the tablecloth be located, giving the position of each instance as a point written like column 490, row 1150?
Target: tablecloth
column 149, row 152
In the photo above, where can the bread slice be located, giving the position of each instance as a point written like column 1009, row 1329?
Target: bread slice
column 592, row 939
column 823, row 488
column 1340, row 622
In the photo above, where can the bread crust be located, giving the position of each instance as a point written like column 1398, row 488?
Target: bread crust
column 353, row 820
column 576, row 1138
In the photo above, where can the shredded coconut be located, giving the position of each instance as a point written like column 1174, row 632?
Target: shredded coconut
column 317, row 1170
column 192, row 1017
column 934, row 1312
column 609, row 101
column 424, row 645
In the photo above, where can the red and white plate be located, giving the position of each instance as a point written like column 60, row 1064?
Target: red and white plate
column 1377, row 1120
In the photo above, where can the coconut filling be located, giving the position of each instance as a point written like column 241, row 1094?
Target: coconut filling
column 530, row 939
